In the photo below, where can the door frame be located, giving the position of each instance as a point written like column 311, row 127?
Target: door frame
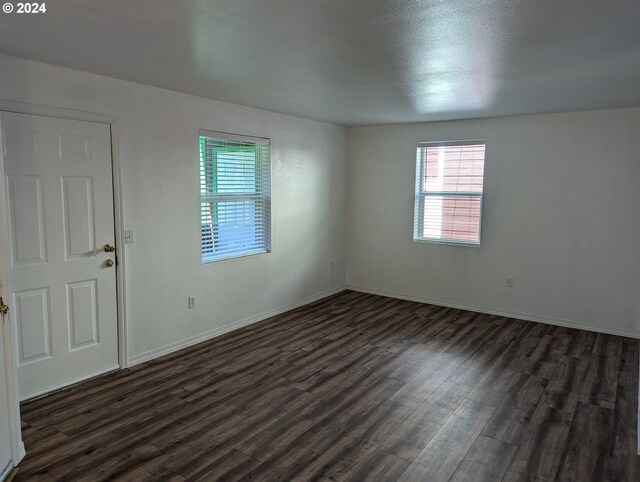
column 118, row 210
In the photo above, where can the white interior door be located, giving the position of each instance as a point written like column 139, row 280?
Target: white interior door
column 5, row 434
column 59, row 190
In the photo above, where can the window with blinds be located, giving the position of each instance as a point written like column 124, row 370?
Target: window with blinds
column 235, row 196
column 449, row 190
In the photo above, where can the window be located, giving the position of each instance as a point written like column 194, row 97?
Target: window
column 449, row 184
column 235, row 196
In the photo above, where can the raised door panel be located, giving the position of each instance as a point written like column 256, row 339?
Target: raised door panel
column 21, row 144
column 75, row 147
column 79, row 226
column 26, row 219
column 82, row 314
column 34, row 322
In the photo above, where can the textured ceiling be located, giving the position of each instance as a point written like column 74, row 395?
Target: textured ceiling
column 353, row 62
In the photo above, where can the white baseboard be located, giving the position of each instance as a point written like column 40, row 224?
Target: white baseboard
column 193, row 340
column 68, row 383
column 514, row 314
column 21, row 452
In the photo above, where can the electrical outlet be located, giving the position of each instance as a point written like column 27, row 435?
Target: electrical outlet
column 128, row 235
column 192, row 302
column 509, row 283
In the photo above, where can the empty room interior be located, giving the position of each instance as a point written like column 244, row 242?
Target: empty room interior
column 348, row 240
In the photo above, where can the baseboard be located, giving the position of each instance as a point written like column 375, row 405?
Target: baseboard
column 21, row 452
column 68, row 383
column 511, row 314
column 194, row 340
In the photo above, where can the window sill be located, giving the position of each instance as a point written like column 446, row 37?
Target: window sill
column 447, row 242
column 210, row 260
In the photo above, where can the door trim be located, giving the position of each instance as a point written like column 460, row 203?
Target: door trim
column 118, row 201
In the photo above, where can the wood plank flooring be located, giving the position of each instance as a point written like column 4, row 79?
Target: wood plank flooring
column 354, row 387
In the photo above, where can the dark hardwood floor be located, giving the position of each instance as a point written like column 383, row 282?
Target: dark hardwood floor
column 354, row 387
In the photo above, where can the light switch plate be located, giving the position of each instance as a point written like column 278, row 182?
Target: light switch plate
column 128, row 235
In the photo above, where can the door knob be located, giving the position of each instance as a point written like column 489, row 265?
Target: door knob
column 108, row 263
column 4, row 309
column 109, row 248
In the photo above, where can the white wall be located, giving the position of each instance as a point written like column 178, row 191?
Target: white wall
column 561, row 216
column 561, row 212
column 159, row 151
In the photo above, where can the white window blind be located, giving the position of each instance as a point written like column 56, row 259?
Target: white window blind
column 449, row 190
column 235, row 195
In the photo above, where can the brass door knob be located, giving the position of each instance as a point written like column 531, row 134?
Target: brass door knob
column 108, row 263
column 109, row 248
column 4, row 309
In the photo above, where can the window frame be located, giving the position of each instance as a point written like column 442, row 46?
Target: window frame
column 206, row 259
column 420, row 194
